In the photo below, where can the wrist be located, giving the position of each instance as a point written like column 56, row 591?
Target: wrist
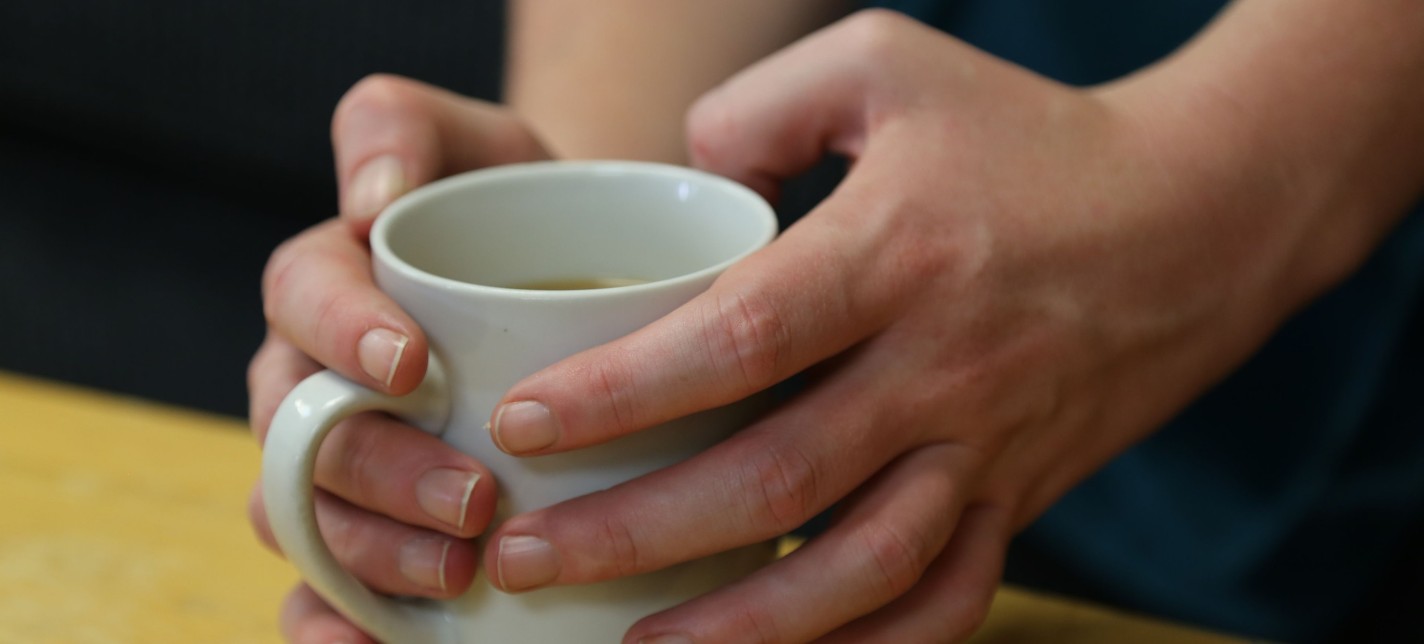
column 1239, row 199
column 1297, row 204
column 1312, row 128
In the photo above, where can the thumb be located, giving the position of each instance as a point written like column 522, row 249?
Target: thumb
column 391, row 134
column 777, row 118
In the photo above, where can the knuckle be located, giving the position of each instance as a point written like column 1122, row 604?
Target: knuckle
column 258, row 365
column 754, row 623
column 964, row 614
column 260, row 408
column 872, row 34
column 785, row 488
column 749, row 340
column 257, row 518
column 509, row 138
column 895, row 558
column 918, row 259
column 311, row 628
column 709, row 122
column 384, row 92
column 277, row 275
column 345, row 537
column 354, row 472
column 331, row 336
column 971, row 616
column 613, row 383
column 625, row 555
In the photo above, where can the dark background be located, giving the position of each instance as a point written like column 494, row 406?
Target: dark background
column 153, row 153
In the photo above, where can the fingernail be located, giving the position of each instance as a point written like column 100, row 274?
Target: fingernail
column 524, row 426
column 525, row 563
column 666, row 638
column 444, row 493
column 379, row 352
column 375, row 185
column 422, row 562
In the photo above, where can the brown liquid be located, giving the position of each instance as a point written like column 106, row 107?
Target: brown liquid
column 577, row 283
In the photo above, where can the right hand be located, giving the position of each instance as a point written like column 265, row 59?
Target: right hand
column 395, row 504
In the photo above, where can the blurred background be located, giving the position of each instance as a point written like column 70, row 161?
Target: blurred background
column 154, row 152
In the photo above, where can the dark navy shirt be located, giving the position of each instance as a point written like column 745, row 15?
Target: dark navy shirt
column 1285, row 502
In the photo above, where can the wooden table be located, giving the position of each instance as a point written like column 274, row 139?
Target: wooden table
column 124, row 521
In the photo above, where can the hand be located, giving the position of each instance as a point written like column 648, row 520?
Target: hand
column 396, row 505
column 1016, row 281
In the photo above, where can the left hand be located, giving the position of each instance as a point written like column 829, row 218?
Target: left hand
column 397, row 506
column 1016, row 281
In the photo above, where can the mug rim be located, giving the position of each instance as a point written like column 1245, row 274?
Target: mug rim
column 762, row 212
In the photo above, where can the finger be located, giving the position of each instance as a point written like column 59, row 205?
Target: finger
column 830, row 281
column 760, row 483
column 388, row 556
column 257, row 519
column 777, row 118
column 275, row 370
column 392, row 134
column 812, row 294
column 953, row 598
column 307, row 619
column 318, row 295
column 871, row 555
column 381, row 464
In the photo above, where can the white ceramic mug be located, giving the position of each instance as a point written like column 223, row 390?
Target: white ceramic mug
column 445, row 253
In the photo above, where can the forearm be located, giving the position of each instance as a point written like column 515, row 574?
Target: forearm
column 1319, row 106
column 614, row 78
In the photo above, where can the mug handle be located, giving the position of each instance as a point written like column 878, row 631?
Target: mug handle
column 288, row 463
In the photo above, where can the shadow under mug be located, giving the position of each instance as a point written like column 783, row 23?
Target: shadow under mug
column 448, row 254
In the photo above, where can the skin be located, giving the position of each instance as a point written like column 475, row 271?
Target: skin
column 1016, row 281
column 626, row 111
column 633, row 96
